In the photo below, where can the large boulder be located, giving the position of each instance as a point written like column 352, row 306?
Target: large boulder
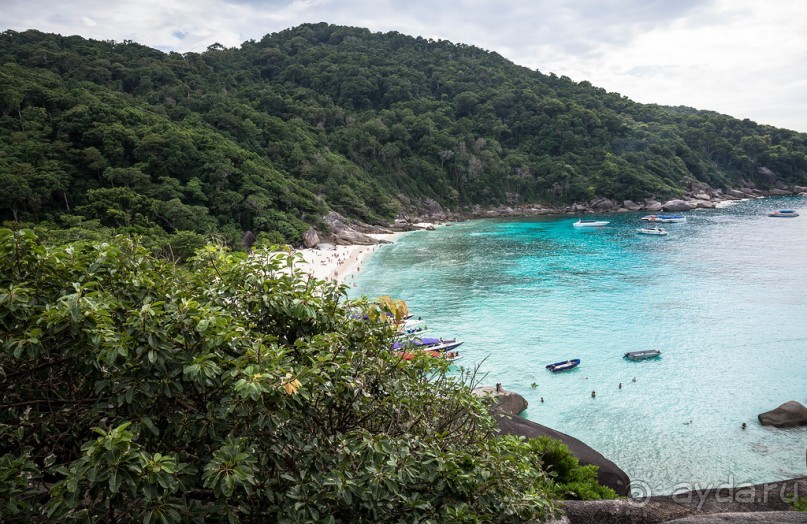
column 762, row 503
column 506, row 409
column 631, row 205
column 344, row 234
column 779, row 192
column 676, row 205
column 507, row 402
column 736, row 194
column 789, row 415
column 608, row 473
column 652, row 205
column 310, row 238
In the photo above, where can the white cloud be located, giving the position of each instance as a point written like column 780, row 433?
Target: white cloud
column 741, row 57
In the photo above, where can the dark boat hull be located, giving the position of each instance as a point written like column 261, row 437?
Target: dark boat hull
column 563, row 366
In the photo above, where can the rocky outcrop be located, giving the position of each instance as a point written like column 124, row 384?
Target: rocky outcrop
column 763, row 503
column 506, row 409
column 608, row 474
column 652, row 205
column 344, row 234
column 789, row 415
column 631, row 205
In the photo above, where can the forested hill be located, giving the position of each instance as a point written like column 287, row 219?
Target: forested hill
column 274, row 134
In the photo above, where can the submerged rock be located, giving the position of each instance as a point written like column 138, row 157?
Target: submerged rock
column 789, row 415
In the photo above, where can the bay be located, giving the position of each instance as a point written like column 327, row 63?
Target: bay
column 722, row 296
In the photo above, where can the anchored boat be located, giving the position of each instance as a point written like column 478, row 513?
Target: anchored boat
column 642, row 355
column 563, row 366
column 652, row 231
column 590, row 223
column 784, row 213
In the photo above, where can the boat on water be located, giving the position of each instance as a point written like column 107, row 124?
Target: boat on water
column 642, row 355
column 427, row 343
column 665, row 219
column 563, row 366
column 451, row 356
column 590, row 223
column 784, row 213
column 652, row 231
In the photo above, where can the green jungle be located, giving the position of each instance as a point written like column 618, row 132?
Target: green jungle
column 153, row 371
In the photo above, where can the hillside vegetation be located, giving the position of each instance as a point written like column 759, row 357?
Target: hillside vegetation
column 272, row 135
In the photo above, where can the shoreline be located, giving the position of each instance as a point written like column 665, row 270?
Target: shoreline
column 340, row 263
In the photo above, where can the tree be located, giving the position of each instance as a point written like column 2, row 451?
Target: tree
column 234, row 388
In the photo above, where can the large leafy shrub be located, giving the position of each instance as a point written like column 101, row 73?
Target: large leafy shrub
column 231, row 388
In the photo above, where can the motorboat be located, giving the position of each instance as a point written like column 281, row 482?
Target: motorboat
column 590, row 223
column 451, row 356
column 642, row 355
column 665, row 219
column 784, row 213
column 652, row 231
column 427, row 343
column 563, row 366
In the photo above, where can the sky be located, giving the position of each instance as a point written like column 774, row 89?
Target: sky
column 744, row 58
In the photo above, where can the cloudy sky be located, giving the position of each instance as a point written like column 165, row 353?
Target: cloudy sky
column 745, row 58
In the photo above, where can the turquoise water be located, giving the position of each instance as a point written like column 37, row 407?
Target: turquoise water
column 724, row 297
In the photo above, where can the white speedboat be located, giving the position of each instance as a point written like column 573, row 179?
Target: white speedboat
column 652, row 231
column 784, row 213
column 590, row 223
column 665, row 219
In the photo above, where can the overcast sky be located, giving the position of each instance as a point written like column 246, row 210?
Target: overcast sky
column 745, row 58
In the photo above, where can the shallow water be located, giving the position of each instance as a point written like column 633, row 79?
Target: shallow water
column 722, row 296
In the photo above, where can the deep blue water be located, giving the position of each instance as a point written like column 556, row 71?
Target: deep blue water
column 723, row 296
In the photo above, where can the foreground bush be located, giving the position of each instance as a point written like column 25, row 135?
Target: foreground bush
column 231, row 388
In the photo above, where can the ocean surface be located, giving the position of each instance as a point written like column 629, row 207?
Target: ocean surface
column 723, row 296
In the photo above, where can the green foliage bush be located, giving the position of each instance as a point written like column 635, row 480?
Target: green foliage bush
column 236, row 388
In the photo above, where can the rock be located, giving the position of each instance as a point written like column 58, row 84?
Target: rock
column 507, row 402
column 706, row 204
column 789, row 415
column 766, row 175
column 608, row 473
column 310, row 238
column 652, row 205
column 631, row 206
column 761, row 503
column 702, row 196
column 736, row 194
column 509, row 405
column 343, row 234
column 779, row 192
column 676, row 205
column 761, row 517
column 799, row 189
column 601, row 204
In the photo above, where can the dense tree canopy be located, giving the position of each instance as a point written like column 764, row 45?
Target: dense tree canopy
column 234, row 387
column 271, row 135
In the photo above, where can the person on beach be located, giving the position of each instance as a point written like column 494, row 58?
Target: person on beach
column 620, row 385
column 542, row 400
column 593, row 394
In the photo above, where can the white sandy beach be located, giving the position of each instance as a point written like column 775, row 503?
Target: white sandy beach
column 340, row 263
